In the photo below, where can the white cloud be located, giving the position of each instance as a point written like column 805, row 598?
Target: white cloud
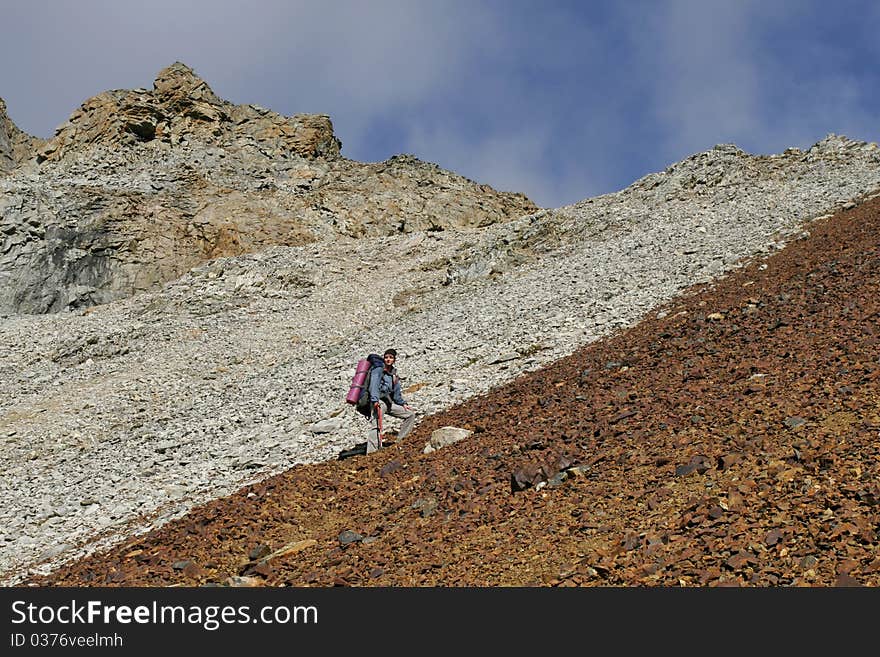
column 700, row 62
column 765, row 76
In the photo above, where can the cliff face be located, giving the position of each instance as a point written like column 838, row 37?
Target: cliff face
column 139, row 186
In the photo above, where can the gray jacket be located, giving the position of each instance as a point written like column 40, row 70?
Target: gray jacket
column 385, row 386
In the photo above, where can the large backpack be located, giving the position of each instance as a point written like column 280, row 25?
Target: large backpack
column 359, row 391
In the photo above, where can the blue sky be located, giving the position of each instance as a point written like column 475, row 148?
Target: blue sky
column 558, row 100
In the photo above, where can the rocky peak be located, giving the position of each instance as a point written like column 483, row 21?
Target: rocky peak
column 16, row 146
column 179, row 85
column 181, row 110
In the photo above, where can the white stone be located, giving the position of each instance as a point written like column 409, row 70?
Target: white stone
column 445, row 436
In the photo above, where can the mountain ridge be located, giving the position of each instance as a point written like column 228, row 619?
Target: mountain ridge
column 139, row 186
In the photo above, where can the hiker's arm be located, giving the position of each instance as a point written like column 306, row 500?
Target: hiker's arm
column 397, row 395
column 375, row 378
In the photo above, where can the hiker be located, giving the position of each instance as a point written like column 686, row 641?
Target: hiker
column 385, row 390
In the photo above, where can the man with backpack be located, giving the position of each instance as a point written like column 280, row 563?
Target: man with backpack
column 384, row 389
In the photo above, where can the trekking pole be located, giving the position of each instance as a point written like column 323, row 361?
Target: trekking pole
column 378, row 425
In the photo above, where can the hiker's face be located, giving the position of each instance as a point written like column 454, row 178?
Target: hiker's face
column 389, row 360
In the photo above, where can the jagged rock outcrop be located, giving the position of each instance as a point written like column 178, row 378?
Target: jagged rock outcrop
column 180, row 108
column 16, row 146
column 139, row 186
